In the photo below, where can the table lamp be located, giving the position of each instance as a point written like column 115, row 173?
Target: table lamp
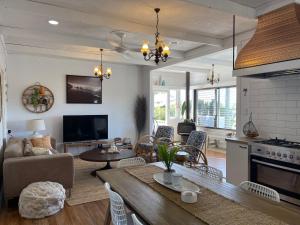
column 35, row 126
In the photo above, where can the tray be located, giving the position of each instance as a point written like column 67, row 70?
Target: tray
column 185, row 184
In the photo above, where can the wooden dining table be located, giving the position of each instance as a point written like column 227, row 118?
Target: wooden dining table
column 155, row 209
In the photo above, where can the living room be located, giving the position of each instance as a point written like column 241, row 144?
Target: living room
column 149, row 112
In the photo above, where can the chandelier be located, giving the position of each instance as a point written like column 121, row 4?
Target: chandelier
column 211, row 77
column 99, row 72
column 161, row 51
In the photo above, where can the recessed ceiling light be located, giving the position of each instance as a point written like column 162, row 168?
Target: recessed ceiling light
column 53, row 22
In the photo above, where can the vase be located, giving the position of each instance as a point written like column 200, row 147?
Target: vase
column 168, row 176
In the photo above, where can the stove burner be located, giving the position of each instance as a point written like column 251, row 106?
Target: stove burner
column 280, row 142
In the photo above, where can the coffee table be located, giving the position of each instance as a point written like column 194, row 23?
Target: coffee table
column 98, row 155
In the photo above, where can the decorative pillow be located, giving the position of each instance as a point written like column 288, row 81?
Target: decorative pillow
column 14, row 148
column 27, row 147
column 43, row 142
column 41, row 151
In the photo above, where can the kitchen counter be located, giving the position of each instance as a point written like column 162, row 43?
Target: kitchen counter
column 242, row 140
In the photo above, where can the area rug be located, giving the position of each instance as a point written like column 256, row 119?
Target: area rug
column 87, row 188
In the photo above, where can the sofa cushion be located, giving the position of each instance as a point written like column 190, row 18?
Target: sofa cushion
column 41, row 151
column 43, row 142
column 27, row 147
column 14, row 148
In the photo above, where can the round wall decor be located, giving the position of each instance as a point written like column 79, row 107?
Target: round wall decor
column 37, row 98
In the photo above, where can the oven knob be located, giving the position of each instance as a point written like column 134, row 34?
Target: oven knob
column 278, row 154
column 284, row 155
column 273, row 153
column 291, row 156
column 268, row 152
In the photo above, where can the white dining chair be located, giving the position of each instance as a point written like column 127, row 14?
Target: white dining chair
column 117, row 207
column 135, row 220
column 136, row 161
column 260, row 190
column 210, row 172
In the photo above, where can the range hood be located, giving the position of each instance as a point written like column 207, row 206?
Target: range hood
column 274, row 49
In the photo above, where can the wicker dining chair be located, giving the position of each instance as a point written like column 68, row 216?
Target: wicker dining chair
column 146, row 146
column 135, row 220
column 260, row 190
column 136, row 161
column 117, row 207
column 210, row 172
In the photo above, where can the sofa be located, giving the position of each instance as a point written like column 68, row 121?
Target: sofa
column 19, row 170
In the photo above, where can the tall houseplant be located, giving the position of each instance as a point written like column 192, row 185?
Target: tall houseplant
column 140, row 114
column 167, row 155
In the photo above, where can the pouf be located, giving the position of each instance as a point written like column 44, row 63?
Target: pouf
column 41, row 199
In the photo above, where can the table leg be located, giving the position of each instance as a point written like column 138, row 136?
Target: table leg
column 107, row 215
column 106, row 167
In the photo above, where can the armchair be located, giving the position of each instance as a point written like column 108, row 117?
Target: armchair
column 194, row 146
column 147, row 144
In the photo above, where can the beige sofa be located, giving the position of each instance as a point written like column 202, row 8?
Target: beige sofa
column 20, row 171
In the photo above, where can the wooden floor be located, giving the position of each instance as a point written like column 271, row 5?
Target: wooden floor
column 86, row 214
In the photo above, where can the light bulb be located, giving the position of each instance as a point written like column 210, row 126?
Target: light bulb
column 108, row 71
column 166, row 51
column 145, row 48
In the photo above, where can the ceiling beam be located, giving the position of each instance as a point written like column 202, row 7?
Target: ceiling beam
column 18, row 7
column 226, row 6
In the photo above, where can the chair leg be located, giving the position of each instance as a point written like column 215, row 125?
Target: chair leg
column 69, row 193
column 107, row 215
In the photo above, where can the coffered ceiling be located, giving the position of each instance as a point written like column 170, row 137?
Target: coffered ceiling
column 189, row 26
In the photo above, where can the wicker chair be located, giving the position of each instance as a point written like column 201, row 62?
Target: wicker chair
column 194, row 146
column 117, row 208
column 147, row 145
column 137, row 161
column 260, row 190
column 210, row 172
column 135, row 220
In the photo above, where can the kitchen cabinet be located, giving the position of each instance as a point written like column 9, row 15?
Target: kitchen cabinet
column 237, row 162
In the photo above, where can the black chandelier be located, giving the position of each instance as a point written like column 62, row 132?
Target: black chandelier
column 99, row 71
column 161, row 51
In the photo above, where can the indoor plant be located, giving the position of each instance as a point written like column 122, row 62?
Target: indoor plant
column 167, row 155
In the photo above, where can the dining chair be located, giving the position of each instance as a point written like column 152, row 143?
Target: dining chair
column 136, row 161
column 135, row 220
column 210, row 172
column 146, row 146
column 117, row 207
column 260, row 190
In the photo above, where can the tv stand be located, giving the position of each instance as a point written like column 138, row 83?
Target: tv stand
column 97, row 143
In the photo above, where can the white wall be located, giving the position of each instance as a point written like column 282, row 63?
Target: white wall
column 119, row 93
column 275, row 104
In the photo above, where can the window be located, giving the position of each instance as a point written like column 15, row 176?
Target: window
column 216, row 108
column 160, row 107
column 173, row 104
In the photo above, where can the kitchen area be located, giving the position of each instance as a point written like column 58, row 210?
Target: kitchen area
column 267, row 68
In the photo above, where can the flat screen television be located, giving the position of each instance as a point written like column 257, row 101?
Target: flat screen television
column 85, row 127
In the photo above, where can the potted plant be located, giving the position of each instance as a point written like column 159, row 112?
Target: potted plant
column 167, row 155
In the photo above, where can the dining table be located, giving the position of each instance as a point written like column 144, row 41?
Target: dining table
column 154, row 208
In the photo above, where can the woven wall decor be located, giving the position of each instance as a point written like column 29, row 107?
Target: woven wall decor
column 249, row 128
column 37, row 98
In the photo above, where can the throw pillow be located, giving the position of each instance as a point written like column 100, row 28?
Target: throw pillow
column 43, row 142
column 14, row 148
column 41, row 151
column 27, row 147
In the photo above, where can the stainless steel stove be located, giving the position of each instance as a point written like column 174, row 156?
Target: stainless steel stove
column 276, row 163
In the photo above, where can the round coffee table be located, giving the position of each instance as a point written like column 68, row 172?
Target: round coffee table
column 97, row 155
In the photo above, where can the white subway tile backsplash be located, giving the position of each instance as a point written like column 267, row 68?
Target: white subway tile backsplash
column 275, row 104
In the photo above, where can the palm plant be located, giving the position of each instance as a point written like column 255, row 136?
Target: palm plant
column 167, row 155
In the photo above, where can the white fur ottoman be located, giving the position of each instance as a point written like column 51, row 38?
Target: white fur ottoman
column 41, row 199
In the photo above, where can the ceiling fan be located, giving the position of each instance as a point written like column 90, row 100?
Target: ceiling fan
column 116, row 40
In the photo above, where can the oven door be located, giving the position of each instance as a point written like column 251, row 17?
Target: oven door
column 284, row 177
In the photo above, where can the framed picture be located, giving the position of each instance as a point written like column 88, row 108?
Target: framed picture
column 84, row 89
